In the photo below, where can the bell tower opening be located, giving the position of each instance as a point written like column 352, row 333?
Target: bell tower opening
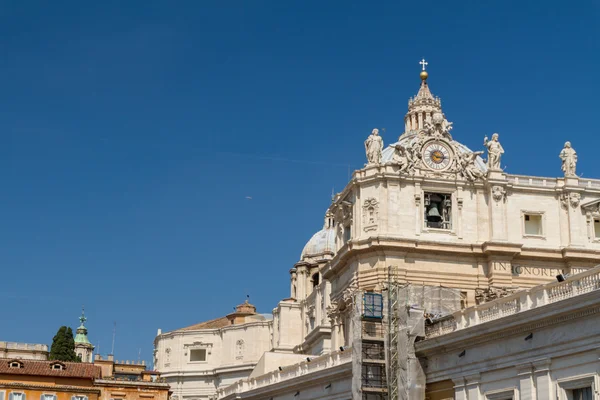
column 438, row 211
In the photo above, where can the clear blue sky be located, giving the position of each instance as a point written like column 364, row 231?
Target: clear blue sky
column 132, row 132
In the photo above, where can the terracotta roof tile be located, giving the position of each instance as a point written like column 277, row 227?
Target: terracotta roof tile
column 212, row 324
column 43, row 368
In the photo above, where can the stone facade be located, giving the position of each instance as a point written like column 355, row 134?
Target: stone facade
column 425, row 210
column 198, row 360
column 24, row 351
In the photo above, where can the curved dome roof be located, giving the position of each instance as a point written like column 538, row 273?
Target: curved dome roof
column 408, row 138
column 321, row 242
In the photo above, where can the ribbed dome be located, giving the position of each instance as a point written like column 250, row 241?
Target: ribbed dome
column 321, row 242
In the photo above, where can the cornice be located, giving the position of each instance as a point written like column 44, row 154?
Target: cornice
column 313, row 378
column 55, row 388
column 491, row 249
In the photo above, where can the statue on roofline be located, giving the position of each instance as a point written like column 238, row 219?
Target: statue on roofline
column 568, row 155
column 374, row 147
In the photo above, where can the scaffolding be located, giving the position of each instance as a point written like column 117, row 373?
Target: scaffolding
column 385, row 326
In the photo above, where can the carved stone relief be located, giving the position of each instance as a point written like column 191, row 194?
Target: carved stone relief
column 492, row 293
column 370, row 214
column 498, row 193
column 572, row 198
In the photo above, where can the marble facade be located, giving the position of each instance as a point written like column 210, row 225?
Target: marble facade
column 436, row 214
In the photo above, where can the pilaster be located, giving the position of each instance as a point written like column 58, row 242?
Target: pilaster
column 543, row 382
column 472, row 387
column 526, row 385
column 460, row 389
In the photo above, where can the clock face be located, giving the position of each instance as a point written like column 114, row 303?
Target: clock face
column 436, row 156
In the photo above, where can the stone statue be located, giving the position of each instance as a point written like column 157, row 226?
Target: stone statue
column 568, row 155
column 467, row 164
column 495, row 151
column 402, row 157
column 373, row 147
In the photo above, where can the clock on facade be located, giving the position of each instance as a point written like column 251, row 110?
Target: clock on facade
column 436, row 156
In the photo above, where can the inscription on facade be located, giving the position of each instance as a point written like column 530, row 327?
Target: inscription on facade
column 523, row 270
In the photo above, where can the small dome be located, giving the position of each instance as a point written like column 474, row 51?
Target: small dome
column 321, row 242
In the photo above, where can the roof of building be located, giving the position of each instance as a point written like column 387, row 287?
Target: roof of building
column 216, row 323
column 321, row 242
column 44, row 368
column 240, row 310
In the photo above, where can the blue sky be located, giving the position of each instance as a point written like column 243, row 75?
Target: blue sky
column 132, row 132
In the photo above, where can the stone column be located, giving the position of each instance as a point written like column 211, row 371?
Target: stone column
column 420, row 120
column 542, row 378
column 293, row 280
column 526, row 387
column 301, row 282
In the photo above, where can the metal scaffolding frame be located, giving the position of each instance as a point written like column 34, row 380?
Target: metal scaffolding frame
column 393, row 334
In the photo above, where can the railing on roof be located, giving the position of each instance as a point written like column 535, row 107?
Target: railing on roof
column 523, row 180
column 293, row 371
column 538, row 296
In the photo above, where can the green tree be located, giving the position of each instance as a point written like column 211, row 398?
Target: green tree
column 63, row 345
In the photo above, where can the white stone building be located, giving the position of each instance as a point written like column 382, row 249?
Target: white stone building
column 427, row 229
column 24, row 351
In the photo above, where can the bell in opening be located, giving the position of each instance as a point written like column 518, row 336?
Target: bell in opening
column 433, row 215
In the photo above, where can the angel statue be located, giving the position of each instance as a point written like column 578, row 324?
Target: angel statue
column 469, row 169
column 568, row 155
column 495, row 151
column 402, row 157
column 373, row 147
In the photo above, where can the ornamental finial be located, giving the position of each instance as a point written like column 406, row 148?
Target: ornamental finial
column 82, row 319
column 424, row 73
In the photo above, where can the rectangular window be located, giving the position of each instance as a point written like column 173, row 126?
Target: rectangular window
column 16, row 396
column 373, row 376
column 582, row 394
column 438, row 211
column 597, row 228
column 79, row 398
column 347, row 233
column 372, row 305
column 48, row 397
column 197, row 355
column 533, row 224
column 1, row 395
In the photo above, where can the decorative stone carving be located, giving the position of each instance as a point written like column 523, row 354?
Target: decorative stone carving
column 310, row 312
column 373, row 147
column 492, row 293
column 239, row 349
column 467, row 166
column 498, row 193
column 575, row 199
column 370, row 214
column 572, row 198
column 404, row 158
column 495, row 152
column 437, row 126
column 568, row 155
